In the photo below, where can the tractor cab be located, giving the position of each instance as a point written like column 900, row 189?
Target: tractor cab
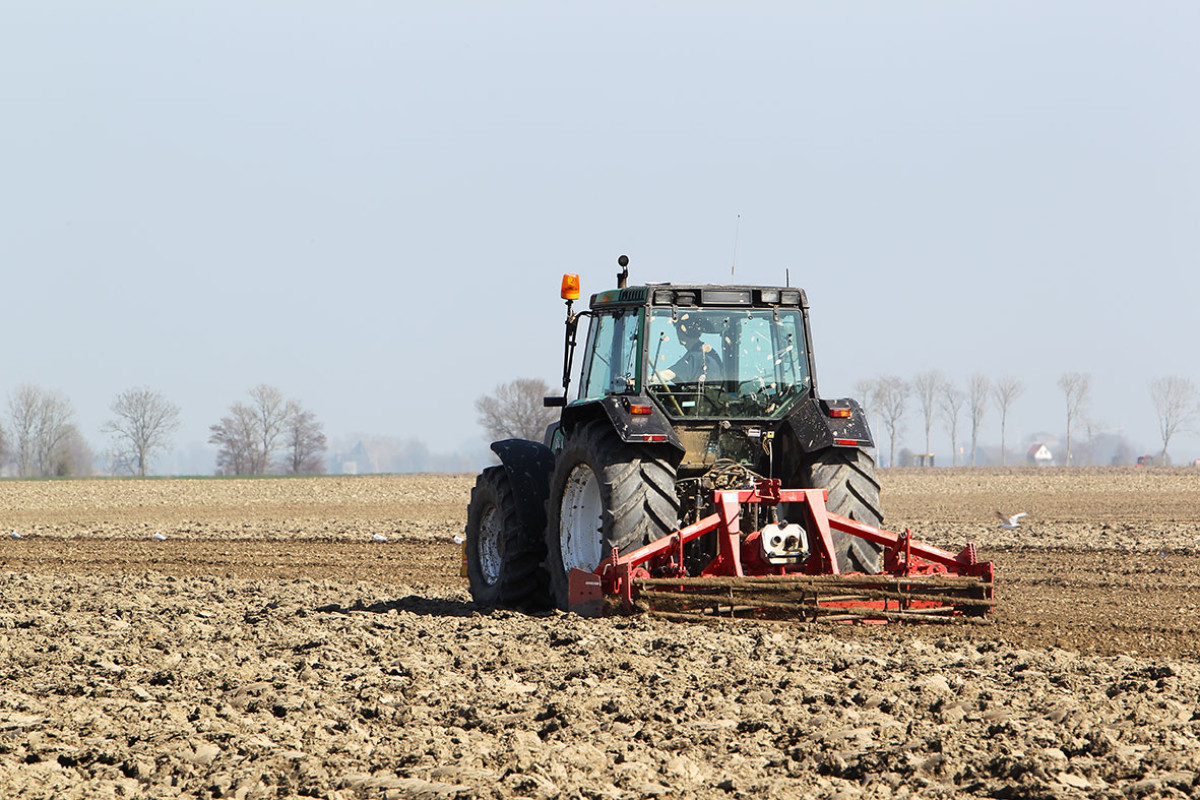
column 698, row 362
column 716, row 372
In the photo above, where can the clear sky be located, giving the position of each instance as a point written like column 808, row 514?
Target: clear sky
column 370, row 204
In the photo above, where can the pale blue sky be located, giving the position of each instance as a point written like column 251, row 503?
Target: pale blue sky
column 370, row 204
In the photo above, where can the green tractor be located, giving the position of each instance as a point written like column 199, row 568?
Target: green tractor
column 683, row 389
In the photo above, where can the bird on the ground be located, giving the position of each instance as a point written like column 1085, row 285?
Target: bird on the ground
column 15, row 535
column 160, row 536
column 379, row 537
column 1010, row 523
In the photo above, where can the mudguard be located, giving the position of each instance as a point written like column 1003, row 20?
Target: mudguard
column 814, row 429
column 528, row 466
column 652, row 428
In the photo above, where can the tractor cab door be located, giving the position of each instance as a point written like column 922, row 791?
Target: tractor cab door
column 612, row 361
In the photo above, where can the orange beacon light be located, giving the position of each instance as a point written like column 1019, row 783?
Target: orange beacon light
column 570, row 287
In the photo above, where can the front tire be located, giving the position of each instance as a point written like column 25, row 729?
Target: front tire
column 849, row 476
column 503, row 559
column 605, row 496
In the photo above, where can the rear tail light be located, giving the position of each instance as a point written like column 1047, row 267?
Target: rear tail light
column 839, row 413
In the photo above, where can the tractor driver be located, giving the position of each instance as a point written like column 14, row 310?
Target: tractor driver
column 699, row 363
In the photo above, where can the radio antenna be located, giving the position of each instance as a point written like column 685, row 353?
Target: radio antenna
column 736, row 230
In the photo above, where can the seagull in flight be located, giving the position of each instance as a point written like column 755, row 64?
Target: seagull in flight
column 1011, row 523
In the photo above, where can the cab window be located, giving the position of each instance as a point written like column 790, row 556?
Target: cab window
column 613, row 365
column 727, row 363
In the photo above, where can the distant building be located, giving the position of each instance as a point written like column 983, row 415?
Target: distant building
column 356, row 461
column 1039, row 455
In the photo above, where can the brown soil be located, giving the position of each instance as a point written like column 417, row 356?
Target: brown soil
column 268, row 647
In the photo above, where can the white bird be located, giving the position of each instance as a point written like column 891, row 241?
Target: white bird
column 1011, row 523
column 459, row 539
column 379, row 537
column 160, row 536
column 15, row 535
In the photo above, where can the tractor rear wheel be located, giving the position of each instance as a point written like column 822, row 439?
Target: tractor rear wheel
column 503, row 559
column 849, row 475
column 605, row 496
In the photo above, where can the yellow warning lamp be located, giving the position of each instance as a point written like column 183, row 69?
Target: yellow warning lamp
column 570, row 287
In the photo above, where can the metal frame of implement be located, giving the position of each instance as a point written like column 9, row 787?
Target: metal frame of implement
column 918, row 583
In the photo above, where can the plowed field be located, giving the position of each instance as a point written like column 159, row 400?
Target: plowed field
column 266, row 646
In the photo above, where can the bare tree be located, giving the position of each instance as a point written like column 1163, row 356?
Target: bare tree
column 271, row 413
column 950, row 403
column 1093, row 429
column 977, row 397
column 73, row 456
column 515, row 410
column 866, row 391
column 249, row 437
column 23, row 405
column 143, row 423
column 236, row 441
column 304, row 443
column 925, row 386
column 1175, row 400
column 891, row 393
column 1006, row 391
column 1075, row 387
column 41, row 429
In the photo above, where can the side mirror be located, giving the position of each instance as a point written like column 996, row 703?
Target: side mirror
column 554, row 402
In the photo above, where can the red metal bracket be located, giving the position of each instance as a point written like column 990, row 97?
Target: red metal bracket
column 737, row 556
column 585, row 595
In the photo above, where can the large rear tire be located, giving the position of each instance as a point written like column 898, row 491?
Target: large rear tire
column 605, row 495
column 849, row 475
column 503, row 559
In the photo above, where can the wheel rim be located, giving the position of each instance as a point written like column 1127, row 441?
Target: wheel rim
column 489, row 545
column 579, row 536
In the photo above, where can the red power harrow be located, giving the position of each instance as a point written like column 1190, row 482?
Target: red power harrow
column 787, row 572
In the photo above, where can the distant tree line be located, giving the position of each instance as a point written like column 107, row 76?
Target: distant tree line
column 1176, row 401
column 268, row 435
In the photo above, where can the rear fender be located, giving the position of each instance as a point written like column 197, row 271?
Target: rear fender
column 528, row 466
column 814, row 429
column 640, row 429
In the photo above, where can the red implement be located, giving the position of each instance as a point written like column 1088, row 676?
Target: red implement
column 750, row 576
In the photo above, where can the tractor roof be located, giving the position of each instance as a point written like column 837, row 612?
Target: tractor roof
column 690, row 294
